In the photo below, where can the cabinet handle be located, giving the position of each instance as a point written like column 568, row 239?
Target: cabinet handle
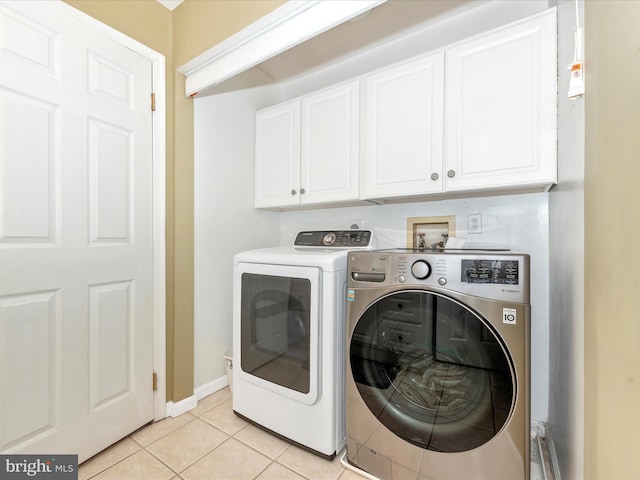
column 302, row 191
column 293, row 192
column 451, row 173
column 434, row 176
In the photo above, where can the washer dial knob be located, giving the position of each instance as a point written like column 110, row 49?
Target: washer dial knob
column 421, row 269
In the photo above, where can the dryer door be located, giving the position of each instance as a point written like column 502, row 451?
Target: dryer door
column 432, row 371
column 277, row 324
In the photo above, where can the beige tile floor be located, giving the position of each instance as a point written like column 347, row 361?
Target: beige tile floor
column 212, row 443
column 209, row 443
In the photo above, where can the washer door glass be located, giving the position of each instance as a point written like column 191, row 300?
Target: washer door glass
column 432, row 371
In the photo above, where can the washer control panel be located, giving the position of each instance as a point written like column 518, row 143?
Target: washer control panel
column 503, row 276
column 334, row 238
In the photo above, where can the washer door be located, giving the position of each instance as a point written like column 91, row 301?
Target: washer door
column 432, row 371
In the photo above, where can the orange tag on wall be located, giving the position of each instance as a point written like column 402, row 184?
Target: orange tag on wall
column 576, row 81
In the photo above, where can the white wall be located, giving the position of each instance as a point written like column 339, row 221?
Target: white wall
column 519, row 221
column 225, row 220
column 565, row 429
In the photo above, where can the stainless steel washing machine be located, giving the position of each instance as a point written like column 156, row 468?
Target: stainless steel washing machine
column 437, row 371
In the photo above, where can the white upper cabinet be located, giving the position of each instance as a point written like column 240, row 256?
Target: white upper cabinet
column 501, row 92
column 277, row 166
column 477, row 116
column 307, row 150
column 330, row 145
column 403, row 129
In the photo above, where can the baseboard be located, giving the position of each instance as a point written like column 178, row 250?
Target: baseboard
column 210, row 387
column 183, row 406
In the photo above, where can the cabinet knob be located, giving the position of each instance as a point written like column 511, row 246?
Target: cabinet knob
column 301, row 191
column 451, row 173
column 434, row 176
column 293, row 192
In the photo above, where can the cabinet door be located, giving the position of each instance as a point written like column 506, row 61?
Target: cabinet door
column 277, row 164
column 330, row 150
column 501, row 108
column 403, row 130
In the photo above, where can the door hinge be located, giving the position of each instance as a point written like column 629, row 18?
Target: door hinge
column 155, row 381
column 153, row 102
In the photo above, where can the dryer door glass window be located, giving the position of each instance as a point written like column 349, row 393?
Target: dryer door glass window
column 432, row 371
column 275, row 332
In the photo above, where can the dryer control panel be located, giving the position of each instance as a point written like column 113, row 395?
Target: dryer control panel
column 334, row 238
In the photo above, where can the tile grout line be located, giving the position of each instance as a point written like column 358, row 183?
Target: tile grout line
column 117, row 462
column 279, row 456
column 197, row 459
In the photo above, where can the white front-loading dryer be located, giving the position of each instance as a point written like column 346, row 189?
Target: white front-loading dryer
column 437, row 367
column 289, row 335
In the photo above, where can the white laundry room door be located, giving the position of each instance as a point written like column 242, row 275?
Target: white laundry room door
column 76, row 250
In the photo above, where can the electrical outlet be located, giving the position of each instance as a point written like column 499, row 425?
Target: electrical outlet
column 356, row 224
column 475, row 223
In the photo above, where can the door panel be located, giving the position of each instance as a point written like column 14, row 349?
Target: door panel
column 110, row 345
column 76, row 290
column 28, row 170
column 32, row 386
column 110, row 210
